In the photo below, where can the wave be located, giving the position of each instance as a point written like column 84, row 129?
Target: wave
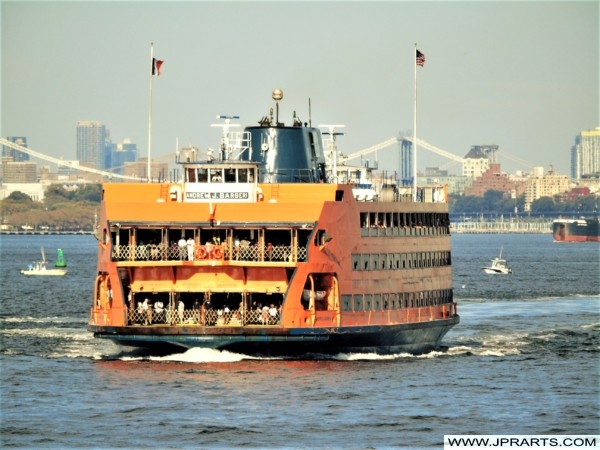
column 484, row 332
column 203, row 355
column 546, row 298
column 51, row 319
column 76, row 334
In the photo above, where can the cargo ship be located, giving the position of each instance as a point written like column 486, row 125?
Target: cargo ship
column 576, row 230
column 267, row 247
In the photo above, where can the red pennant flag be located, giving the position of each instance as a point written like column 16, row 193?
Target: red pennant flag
column 156, row 63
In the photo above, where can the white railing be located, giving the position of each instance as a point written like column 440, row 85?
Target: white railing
column 524, row 226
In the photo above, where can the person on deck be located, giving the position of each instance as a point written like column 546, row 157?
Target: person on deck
column 180, row 309
column 182, row 244
column 273, row 314
column 147, row 308
column 190, row 249
column 265, row 315
column 159, row 311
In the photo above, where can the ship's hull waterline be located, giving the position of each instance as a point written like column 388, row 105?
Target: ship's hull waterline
column 413, row 338
column 576, row 230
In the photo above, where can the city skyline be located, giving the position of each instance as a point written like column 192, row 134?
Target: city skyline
column 521, row 75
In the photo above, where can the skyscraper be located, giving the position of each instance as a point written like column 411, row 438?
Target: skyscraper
column 585, row 155
column 122, row 153
column 16, row 155
column 91, row 143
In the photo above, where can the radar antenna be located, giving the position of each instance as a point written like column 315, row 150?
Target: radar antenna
column 332, row 148
column 226, row 147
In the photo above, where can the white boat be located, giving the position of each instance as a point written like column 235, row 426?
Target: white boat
column 40, row 268
column 498, row 266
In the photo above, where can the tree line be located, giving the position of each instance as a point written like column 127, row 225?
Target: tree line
column 73, row 208
column 493, row 202
column 64, row 208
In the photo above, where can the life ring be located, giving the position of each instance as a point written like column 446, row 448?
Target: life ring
column 200, row 253
column 217, row 253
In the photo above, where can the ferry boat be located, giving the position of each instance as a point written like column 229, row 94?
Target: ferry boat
column 576, row 230
column 264, row 249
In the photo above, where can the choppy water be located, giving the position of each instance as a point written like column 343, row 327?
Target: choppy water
column 523, row 360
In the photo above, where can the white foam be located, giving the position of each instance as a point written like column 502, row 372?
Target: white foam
column 367, row 356
column 203, row 355
column 30, row 319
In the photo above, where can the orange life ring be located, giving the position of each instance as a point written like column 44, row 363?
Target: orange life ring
column 200, row 252
column 217, row 253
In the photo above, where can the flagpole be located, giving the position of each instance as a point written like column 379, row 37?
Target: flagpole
column 150, row 108
column 415, row 130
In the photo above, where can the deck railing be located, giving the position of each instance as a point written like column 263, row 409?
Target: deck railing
column 279, row 253
column 209, row 317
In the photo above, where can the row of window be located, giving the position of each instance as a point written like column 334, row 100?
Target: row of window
column 403, row 220
column 396, row 300
column 395, row 261
column 220, row 175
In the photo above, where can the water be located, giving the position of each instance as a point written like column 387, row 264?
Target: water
column 523, row 360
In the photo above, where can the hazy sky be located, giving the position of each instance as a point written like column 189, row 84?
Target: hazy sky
column 521, row 75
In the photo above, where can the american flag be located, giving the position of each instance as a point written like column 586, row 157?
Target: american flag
column 156, row 63
column 420, row 59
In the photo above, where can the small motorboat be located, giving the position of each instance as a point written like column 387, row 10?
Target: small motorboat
column 40, row 267
column 498, row 266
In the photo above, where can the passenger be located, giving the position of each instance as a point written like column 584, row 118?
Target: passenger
column 142, row 248
column 265, row 315
column 230, row 176
column 208, row 317
column 220, row 319
column 147, row 310
column 150, row 313
column 209, row 248
column 180, row 309
column 182, row 244
column 196, row 311
column 273, row 314
column 159, row 310
column 190, row 249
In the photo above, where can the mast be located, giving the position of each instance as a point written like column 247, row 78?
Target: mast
column 150, row 109
column 415, row 129
column 333, row 148
column 419, row 60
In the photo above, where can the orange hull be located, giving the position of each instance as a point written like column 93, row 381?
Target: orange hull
column 370, row 277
